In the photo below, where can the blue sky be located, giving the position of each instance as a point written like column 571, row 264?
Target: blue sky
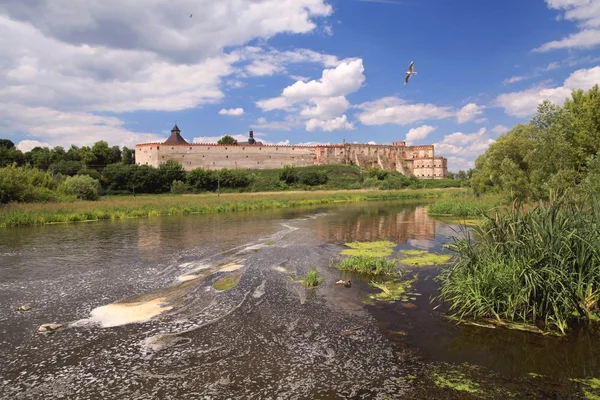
column 297, row 71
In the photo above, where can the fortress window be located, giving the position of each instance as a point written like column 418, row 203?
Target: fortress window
column 260, row 148
column 225, row 148
column 157, row 147
column 258, row 162
column 172, row 148
column 190, row 148
column 243, row 148
column 246, row 156
column 163, row 156
column 226, row 156
column 208, row 148
column 202, row 155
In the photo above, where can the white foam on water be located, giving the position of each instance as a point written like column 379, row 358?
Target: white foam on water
column 231, row 267
column 118, row 314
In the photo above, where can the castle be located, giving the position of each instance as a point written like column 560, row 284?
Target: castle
column 408, row 160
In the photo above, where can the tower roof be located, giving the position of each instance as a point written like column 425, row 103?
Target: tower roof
column 175, row 137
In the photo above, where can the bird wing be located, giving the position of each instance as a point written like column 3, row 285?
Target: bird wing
column 410, row 67
column 406, row 79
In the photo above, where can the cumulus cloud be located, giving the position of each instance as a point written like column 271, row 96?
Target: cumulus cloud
column 321, row 102
column 393, row 110
column 418, row 133
column 469, row 113
column 231, row 111
column 524, row 103
column 500, row 129
column 461, row 149
column 335, row 124
column 587, row 15
column 88, row 58
column 27, row 145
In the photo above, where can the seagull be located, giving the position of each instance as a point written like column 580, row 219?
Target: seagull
column 409, row 72
column 191, row 15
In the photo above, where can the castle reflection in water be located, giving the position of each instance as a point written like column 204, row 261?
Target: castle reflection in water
column 398, row 225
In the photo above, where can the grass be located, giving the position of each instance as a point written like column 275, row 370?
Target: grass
column 366, row 265
column 312, row 278
column 463, row 206
column 536, row 267
column 119, row 207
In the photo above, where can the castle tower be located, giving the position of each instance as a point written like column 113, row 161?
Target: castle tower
column 251, row 138
column 175, row 137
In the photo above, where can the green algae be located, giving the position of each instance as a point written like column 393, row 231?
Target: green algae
column 453, row 377
column 227, row 282
column 375, row 249
column 414, row 252
column 271, row 243
column 392, row 290
column 426, row 258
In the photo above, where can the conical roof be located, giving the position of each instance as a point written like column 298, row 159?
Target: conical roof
column 175, row 137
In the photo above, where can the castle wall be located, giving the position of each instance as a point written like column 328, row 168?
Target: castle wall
column 416, row 160
column 217, row 156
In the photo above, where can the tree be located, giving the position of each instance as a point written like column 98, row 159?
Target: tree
column 128, row 156
column 7, row 144
column 82, row 186
column 227, row 139
column 461, row 175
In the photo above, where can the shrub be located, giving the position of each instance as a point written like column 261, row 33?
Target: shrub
column 289, row 174
column 178, row 187
column 82, row 186
column 313, row 178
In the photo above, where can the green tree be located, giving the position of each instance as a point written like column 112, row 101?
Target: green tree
column 227, row 139
column 82, row 186
column 128, row 156
column 6, row 143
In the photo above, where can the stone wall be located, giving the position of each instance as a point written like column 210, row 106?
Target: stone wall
column 417, row 160
column 219, row 156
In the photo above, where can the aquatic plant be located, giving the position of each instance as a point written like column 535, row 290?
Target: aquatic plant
column 421, row 258
column 376, row 249
column 392, row 290
column 312, row 278
column 227, row 282
column 537, row 267
column 366, row 264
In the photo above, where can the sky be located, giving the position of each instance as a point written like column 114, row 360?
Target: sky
column 296, row 71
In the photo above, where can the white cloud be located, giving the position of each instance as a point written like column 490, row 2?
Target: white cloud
column 392, row 110
column 587, row 15
column 523, row 104
column 336, row 124
column 456, row 164
column 78, row 59
column 481, row 120
column 469, row 113
column 286, row 125
column 500, row 129
column 27, row 145
column 418, row 133
column 232, row 111
column 215, row 139
column 461, row 149
column 326, row 108
column 346, row 78
column 320, row 103
column 515, row 79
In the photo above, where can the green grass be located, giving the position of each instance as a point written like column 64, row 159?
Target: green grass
column 312, row 278
column 120, row 207
column 463, row 207
column 367, row 265
column 538, row 267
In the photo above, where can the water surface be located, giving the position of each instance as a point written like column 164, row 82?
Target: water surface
column 143, row 320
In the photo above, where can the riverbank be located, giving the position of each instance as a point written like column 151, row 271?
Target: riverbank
column 120, row 207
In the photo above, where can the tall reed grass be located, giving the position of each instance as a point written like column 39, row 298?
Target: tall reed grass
column 538, row 267
column 119, row 207
column 463, row 206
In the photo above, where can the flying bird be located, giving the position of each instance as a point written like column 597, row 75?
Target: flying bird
column 191, row 15
column 410, row 72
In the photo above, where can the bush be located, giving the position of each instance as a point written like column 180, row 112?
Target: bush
column 82, row 186
column 289, row 174
column 26, row 184
column 313, row 178
column 178, row 187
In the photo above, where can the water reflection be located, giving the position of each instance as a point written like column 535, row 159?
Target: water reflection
column 397, row 223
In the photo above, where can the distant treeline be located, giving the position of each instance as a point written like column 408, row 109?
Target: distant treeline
column 32, row 184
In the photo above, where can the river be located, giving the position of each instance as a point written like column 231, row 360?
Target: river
column 141, row 319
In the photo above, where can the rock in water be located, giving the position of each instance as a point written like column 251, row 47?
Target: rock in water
column 49, row 328
column 25, row 308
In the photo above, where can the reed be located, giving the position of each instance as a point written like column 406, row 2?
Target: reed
column 464, row 206
column 120, row 207
column 312, row 278
column 539, row 266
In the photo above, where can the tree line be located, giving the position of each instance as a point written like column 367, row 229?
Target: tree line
column 555, row 153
